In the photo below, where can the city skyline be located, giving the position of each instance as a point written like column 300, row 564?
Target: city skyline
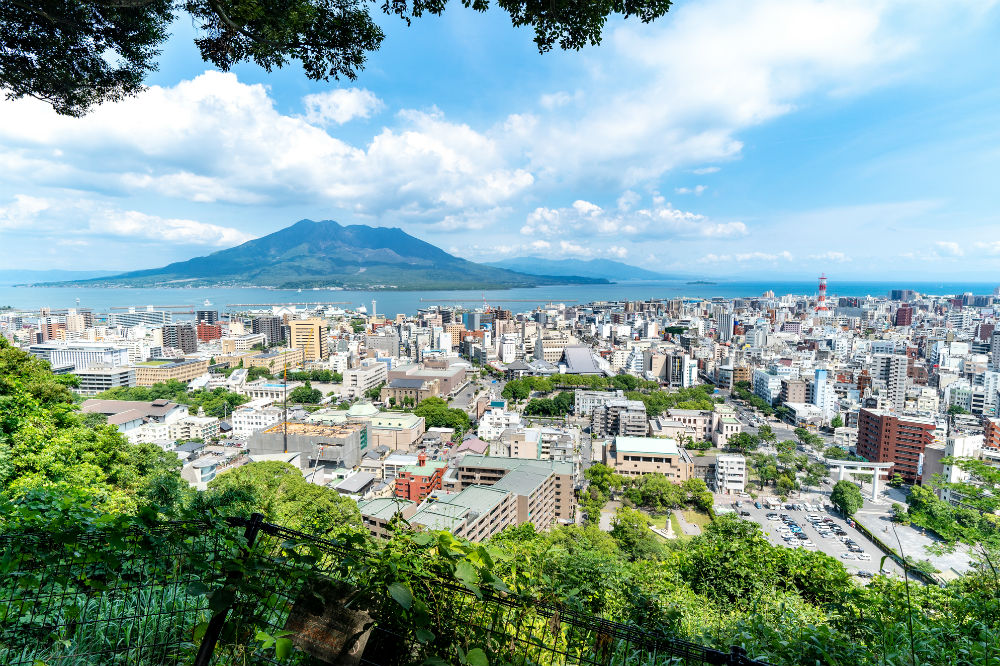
column 782, row 139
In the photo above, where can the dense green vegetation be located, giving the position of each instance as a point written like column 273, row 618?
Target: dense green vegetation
column 847, row 497
column 316, row 376
column 744, row 392
column 216, row 402
column 437, row 414
column 975, row 522
column 305, row 394
column 727, row 586
column 658, row 402
column 560, row 405
column 521, row 389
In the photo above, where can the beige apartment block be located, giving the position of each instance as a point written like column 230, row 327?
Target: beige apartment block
column 309, row 335
column 156, row 372
column 635, row 456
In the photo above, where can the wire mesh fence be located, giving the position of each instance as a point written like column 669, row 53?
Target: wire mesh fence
column 177, row 594
column 80, row 600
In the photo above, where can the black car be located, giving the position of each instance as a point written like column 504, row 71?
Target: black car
column 744, row 513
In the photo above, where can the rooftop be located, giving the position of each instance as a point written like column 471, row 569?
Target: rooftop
column 383, row 508
column 653, row 445
column 315, row 429
column 428, row 468
column 523, row 481
column 509, row 464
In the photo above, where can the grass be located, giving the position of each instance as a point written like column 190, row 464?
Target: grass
column 676, row 525
column 658, row 521
column 697, row 517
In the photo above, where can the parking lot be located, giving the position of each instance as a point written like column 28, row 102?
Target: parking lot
column 830, row 544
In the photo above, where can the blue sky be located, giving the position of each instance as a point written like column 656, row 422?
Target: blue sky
column 775, row 138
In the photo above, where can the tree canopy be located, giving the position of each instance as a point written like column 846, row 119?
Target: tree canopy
column 847, row 497
column 74, row 55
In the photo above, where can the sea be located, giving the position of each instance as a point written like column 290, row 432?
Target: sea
column 408, row 302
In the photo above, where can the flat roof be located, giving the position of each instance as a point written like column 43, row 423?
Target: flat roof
column 428, row 468
column 523, row 481
column 501, row 462
column 657, row 445
column 315, row 429
column 383, row 508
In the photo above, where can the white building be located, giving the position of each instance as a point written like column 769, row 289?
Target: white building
column 357, row 381
column 80, row 355
column 730, row 473
column 250, row 418
column 495, row 421
column 99, row 378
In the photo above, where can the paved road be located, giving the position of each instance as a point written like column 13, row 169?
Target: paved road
column 830, row 545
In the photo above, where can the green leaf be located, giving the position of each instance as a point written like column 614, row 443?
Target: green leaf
column 283, row 648
column 435, row 661
column 881, row 564
column 425, row 636
column 197, row 589
column 401, row 594
column 222, row 598
column 199, row 631
column 422, row 538
column 467, row 573
column 477, row 657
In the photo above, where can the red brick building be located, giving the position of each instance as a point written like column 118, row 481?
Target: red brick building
column 209, row 332
column 415, row 482
column 991, row 433
column 886, row 437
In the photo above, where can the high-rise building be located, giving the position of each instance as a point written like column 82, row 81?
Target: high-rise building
column 207, row 316
column 891, row 368
column 995, row 350
column 904, row 316
column 208, row 332
column 887, row 437
column 181, row 336
column 273, row 328
column 724, row 323
column 309, row 335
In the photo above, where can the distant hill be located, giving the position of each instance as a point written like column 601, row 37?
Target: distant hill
column 614, row 271
column 31, row 276
column 326, row 254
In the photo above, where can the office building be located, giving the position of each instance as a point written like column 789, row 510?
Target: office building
column 730, row 473
column 80, row 355
column 309, row 335
column 635, row 456
column 99, row 378
column 620, row 417
column 152, row 372
column 206, row 316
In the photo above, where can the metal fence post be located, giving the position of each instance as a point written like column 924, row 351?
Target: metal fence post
column 218, row 621
column 737, row 656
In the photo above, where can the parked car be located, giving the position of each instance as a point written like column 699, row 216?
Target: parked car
column 744, row 513
column 848, row 556
column 865, row 574
column 864, row 557
column 758, row 505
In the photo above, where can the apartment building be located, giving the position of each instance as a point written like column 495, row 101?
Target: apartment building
column 272, row 328
column 181, row 336
column 242, row 343
column 620, row 417
column 584, row 402
column 309, row 335
column 730, row 473
column 378, row 513
column 884, row 436
column 489, row 470
column 475, row 513
column 415, row 482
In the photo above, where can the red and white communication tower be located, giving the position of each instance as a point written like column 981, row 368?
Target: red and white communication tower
column 821, row 301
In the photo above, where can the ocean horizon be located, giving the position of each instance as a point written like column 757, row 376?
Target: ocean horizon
column 408, row 302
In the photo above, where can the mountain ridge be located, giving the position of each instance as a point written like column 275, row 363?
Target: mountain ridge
column 607, row 269
column 324, row 253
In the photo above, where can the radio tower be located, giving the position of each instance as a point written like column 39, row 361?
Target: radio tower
column 821, row 301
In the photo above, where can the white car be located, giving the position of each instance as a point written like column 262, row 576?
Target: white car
column 848, row 556
column 864, row 557
column 808, row 544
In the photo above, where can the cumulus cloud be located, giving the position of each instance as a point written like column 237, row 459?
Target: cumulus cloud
column 22, row 211
column 140, row 225
column 991, row 248
column 340, row 106
column 215, row 139
column 660, row 220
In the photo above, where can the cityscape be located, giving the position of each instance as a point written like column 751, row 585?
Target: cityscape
column 496, row 333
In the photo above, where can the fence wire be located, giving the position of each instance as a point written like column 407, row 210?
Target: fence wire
column 145, row 600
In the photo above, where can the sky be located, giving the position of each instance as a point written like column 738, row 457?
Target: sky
column 767, row 139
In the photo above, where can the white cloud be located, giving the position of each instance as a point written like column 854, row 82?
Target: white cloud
column 661, row 220
column 697, row 190
column 214, row 138
column 991, row 248
column 340, row 105
column 743, row 257
column 705, row 170
column 949, row 249
column 830, row 256
column 140, row 225
column 22, row 212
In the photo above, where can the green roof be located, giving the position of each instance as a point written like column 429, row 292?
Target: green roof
column 654, row 445
column 383, row 508
column 447, row 514
column 426, row 469
column 500, row 462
